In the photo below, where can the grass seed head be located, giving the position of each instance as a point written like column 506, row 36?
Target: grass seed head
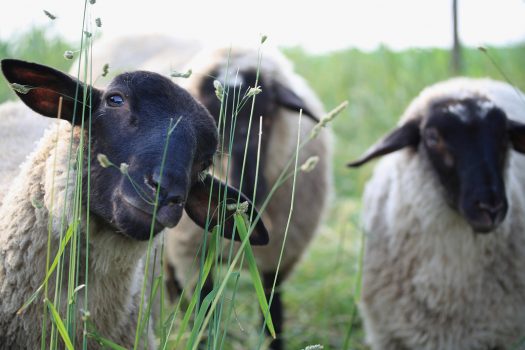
column 21, row 89
column 50, row 15
column 124, row 167
column 69, row 55
column 253, row 91
column 219, row 89
column 314, row 347
column 105, row 70
column 310, row 164
column 327, row 118
column 103, row 160
column 176, row 74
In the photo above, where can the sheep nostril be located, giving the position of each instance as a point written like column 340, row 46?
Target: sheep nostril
column 490, row 207
column 153, row 185
column 175, row 200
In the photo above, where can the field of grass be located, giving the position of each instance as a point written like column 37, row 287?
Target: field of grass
column 378, row 85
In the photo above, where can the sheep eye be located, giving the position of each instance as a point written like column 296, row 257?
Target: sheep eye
column 432, row 138
column 115, row 100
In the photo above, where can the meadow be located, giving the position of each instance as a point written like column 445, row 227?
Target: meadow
column 321, row 295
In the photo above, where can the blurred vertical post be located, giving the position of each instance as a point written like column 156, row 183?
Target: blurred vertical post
column 456, row 48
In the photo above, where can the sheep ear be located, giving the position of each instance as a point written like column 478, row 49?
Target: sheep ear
column 403, row 136
column 516, row 132
column 289, row 99
column 40, row 87
column 197, row 208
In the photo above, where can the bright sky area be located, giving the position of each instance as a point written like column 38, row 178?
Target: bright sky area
column 318, row 26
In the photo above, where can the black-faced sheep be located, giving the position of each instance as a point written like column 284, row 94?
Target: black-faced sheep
column 445, row 222
column 130, row 123
column 283, row 94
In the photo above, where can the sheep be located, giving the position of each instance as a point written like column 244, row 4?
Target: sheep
column 130, row 122
column 445, row 221
column 283, row 94
column 18, row 129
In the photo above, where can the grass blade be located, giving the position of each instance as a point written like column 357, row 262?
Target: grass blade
column 205, row 272
column 106, row 343
column 63, row 244
column 200, row 318
column 59, row 324
column 254, row 273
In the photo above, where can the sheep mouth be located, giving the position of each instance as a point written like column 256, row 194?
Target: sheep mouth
column 170, row 214
column 167, row 215
column 484, row 222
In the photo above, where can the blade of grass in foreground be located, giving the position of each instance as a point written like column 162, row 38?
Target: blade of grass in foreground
column 200, row 318
column 59, row 324
column 254, row 273
column 63, row 244
column 106, row 343
column 205, row 272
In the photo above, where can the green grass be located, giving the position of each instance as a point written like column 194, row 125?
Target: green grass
column 36, row 45
column 319, row 296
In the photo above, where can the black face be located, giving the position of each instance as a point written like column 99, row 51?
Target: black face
column 236, row 113
column 165, row 137
column 131, row 125
column 467, row 142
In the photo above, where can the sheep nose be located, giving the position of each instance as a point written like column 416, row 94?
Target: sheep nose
column 493, row 208
column 170, row 193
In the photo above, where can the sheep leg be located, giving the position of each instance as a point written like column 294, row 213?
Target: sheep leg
column 173, row 286
column 276, row 308
column 207, row 288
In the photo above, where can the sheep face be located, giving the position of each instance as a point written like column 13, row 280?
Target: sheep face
column 161, row 135
column 236, row 115
column 466, row 142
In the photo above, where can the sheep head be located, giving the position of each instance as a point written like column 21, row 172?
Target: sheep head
column 466, row 142
column 236, row 114
column 163, row 138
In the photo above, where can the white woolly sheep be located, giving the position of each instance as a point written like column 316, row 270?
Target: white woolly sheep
column 130, row 123
column 283, row 94
column 445, row 222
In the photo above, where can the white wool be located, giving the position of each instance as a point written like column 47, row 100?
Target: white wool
column 115, row 262
column 429, row 282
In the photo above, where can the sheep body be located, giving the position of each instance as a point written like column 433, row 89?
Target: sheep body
column 310, row 204
column 428, row 281
column 41, row 203
column 38, row 193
